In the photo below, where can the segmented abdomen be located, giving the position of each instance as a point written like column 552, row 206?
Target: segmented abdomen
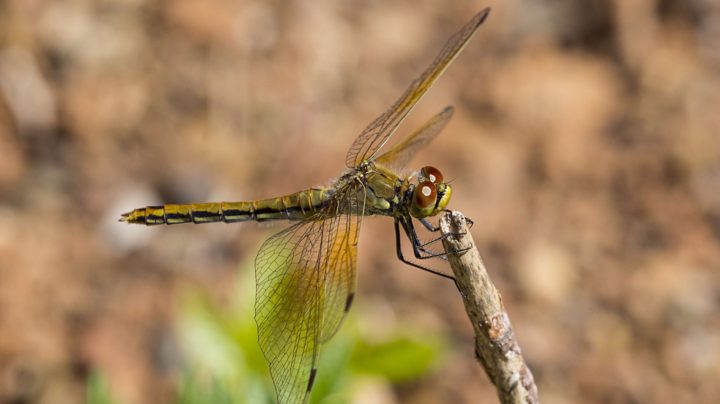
column 297, row 206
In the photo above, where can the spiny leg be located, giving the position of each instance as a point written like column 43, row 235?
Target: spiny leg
column 418, row 247
column 398, row 250
column 402, row 258
column 435, row 240
column 434, row 229
column 429, row 225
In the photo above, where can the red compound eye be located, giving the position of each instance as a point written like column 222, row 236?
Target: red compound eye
column 425, row 194
column 431, row 174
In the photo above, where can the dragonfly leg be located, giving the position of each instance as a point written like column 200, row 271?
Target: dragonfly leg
column 398, row 249
column 419, row 247
column 435, row 240
column 429, row 225
column 434, row 229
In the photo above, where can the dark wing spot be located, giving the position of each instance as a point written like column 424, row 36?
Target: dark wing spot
column 313, row 372
column 349, row 301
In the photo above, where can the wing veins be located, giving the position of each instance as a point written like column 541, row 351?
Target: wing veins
column 375, row 135
column 289, row 335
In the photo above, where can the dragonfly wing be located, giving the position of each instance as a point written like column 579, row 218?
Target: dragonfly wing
column 305, row 280
column 399, row 156
column 341, row 271
column 379, row 131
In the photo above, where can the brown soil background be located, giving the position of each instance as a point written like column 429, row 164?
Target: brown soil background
column 585, row 146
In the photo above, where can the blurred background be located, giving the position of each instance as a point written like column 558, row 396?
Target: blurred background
column 584, row 146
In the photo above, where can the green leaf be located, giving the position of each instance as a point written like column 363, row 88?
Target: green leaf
column 400, row 359
column 98, row 391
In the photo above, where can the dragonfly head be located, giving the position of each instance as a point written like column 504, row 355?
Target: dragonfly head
column 431, row 194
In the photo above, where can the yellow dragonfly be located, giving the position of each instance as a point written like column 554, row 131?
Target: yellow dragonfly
column 306, row 274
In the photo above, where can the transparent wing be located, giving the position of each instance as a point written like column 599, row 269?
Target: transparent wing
column 341, row 272
column 305, row 282
column 379, row 131
column 399, row 156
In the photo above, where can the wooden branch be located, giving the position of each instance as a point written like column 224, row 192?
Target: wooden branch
column 496, row 348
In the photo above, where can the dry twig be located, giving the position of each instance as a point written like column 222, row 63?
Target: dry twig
column 496, row 348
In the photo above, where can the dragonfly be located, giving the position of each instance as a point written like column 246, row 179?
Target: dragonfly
column 306, row 273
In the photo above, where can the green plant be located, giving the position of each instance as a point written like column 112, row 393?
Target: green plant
column 223, row 363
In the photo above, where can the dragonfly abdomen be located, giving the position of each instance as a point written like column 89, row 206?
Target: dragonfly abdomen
column 297, row 206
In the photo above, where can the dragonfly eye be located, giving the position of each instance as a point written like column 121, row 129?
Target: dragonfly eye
column 425, row 195
column 432, row 174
